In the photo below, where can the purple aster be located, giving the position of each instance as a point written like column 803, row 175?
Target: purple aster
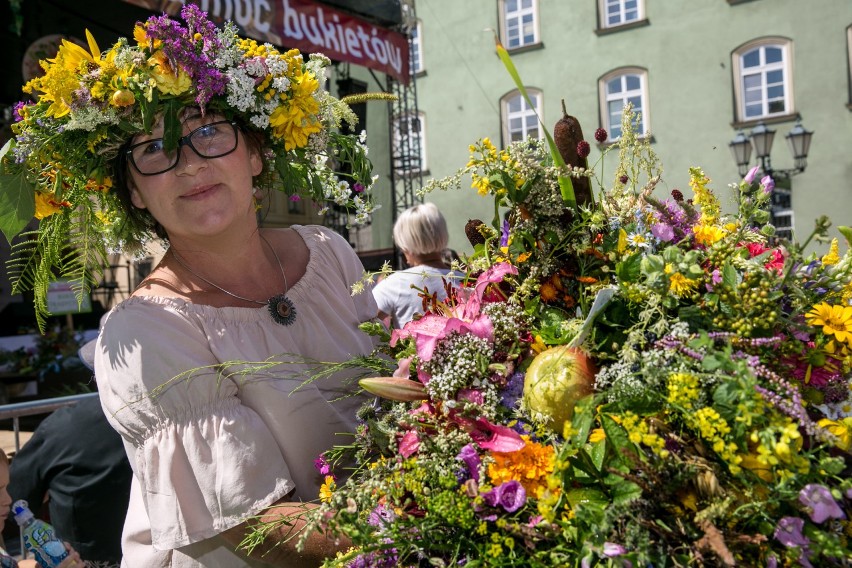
column 510, row 495
column 470, row 457
column 820, row 504
column 789, row 532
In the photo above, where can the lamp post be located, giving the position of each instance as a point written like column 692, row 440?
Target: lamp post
column 760, row 140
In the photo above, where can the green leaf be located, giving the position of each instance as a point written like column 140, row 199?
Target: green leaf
column 171, row 125
column 729, row 276
column 617, row 437
column 846, row 232
column 628, row 270
column 17, row 199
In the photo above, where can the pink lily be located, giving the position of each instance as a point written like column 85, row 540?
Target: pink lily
column 409, row 444
column 492, row 437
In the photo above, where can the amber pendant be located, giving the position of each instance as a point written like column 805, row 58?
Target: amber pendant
column 281, row 309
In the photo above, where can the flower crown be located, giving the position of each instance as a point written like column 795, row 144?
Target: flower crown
column 61, row 164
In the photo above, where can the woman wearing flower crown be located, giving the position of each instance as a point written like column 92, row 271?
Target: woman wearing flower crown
column 174, row 136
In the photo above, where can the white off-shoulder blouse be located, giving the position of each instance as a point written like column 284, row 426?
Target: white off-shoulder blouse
column 210, row 450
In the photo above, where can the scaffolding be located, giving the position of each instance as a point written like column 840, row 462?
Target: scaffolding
column 406, row 129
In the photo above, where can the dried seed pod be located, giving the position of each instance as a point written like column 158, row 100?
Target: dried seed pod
column 471, row 229
column 567, row 134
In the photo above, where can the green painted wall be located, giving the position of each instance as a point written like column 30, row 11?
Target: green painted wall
column 686, row 49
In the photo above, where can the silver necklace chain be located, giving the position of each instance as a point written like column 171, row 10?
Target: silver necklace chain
column 281, row 266
column 281, row 308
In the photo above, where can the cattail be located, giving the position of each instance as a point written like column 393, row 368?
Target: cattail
column 567, row 134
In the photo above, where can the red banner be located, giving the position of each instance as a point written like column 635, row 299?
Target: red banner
column 310, row 27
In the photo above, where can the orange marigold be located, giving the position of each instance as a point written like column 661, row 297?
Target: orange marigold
column 530, row 466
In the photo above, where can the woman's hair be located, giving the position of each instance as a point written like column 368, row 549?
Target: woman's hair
column 421, row 230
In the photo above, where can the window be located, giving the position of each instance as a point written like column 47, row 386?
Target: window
column 763, row 79
column 617, row 89
column 519, row 23
column 416, row 45
column 520, row 121
column 615, row 13
column 782, row 213
column 409, row 143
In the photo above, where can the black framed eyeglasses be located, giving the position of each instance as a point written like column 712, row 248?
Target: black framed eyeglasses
column 212, row 140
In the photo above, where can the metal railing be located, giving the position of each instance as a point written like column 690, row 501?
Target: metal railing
column 32, row 407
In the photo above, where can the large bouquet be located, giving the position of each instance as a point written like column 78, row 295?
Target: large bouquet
column 632, row 382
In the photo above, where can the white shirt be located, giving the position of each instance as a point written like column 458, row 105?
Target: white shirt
column 396, row 297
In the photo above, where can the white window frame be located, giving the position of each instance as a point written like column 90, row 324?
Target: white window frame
column 623, row 12
column 526, row 114
column 516, row 16
column 740, row 73
column 417, row 139
column 613, row 124
column 849, row 46
column 416, row 46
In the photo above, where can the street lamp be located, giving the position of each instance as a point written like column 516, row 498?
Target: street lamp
column 760, row 139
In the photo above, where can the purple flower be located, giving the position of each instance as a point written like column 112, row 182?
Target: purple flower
column 820, row 504
column 322, row 466
column 295, row 198
column 513, row 390
column 470, row 457
column 504, row 234
column 511, row 496
column 358, row 187
column 663, row 231
column 381, row 516
column 612, row 549
column 789, row 532
column 768, row 184
column 749, row 178
column 19, row 106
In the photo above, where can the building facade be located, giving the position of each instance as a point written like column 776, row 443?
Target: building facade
column 699, row 71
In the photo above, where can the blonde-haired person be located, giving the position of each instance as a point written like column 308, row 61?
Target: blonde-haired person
column 421, row 234
column 6, row 561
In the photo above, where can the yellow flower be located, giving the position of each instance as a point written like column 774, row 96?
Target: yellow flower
column 707, row 234
column 46, row 205
column 327, row 489
column 842, row 429
column 169, row 81
column 597, row 435
column 835, row 320
column 833, row 255
column 95, row 185
column 681, row 286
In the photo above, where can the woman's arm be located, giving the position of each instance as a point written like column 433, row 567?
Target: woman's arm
column 285, row 522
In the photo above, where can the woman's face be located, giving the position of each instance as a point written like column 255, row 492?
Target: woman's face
column 199, row 196
column 5, row 498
